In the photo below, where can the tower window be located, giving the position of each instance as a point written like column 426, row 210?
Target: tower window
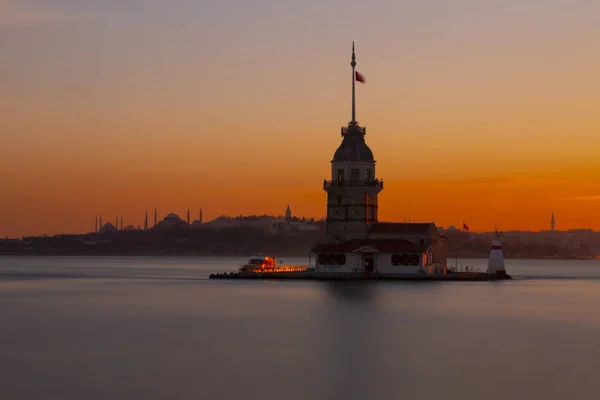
column 354, row 174
column 369, row 173
column 340, row 174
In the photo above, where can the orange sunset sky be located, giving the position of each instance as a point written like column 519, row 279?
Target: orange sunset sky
column 476, row 110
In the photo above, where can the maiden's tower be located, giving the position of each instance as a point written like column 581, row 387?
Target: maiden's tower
column 353, row 189
column 357, row 241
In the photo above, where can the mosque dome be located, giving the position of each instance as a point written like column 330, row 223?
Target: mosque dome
column 172, row 220
column 353, row 147
column 106, row 228
column 172, row 217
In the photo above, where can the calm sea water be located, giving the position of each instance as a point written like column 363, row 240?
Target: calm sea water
column 157, row 328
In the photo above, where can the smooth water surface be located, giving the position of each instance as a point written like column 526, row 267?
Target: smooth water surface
column 157, row 328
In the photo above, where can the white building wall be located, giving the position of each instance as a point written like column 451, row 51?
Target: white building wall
column 384, row 265
column 353, row 264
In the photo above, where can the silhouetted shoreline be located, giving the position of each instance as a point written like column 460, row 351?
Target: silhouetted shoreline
column 451, row 258
column 247, row 241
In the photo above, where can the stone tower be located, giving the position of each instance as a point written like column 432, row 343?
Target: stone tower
column 353, row 189
column 288, row 213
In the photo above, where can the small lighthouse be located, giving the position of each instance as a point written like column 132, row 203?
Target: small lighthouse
column 496, row 261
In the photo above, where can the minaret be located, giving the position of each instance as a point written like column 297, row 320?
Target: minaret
column 155, row 217
column 200, row 216
column 352, row 192
column 188, row 216
column 146, row 221
column 552, row 222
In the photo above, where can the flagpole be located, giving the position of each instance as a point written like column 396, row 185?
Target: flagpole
column 353, row 64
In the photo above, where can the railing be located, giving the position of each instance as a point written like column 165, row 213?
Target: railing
column 282, row 268
column 464, row 268
column 353, row 129
column 353, row 183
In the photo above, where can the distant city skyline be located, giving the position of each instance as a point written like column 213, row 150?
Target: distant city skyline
column 100, row 220
column 236, row 106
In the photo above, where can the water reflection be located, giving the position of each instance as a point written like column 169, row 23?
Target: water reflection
column 352, row 291
column 128, row 328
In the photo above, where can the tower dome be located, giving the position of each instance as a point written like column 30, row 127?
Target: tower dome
column 353, row 147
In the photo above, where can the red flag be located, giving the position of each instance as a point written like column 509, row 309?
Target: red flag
column 465, row 227
column 359, row 77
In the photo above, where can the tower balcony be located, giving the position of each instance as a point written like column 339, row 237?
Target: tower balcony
column 366, row 183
